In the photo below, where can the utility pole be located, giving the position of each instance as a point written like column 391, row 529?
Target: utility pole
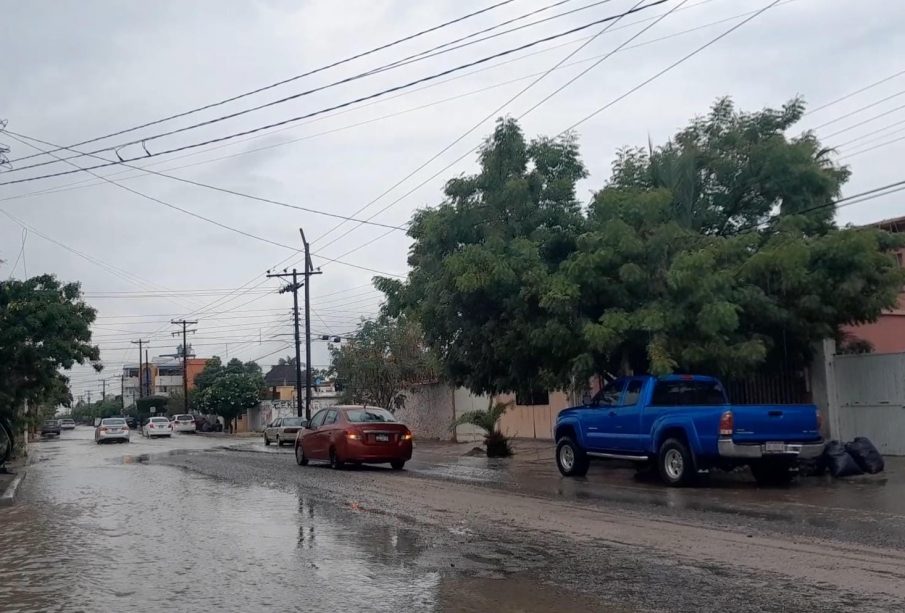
column 139, row 342
column 294, row 288
column 122, row 393
column 309, row 270
column 104, row 387
column 149, row 382
column 185, row 359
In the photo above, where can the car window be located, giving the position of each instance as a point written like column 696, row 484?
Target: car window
column 609, row 395
column 185, row 418
column 113, row 422
column 331, row 418
column 160, row 420
column 276, row 422
column 295, row 422
column 357, row 416
column 688, row 393
column 318, row 420
column 632, row 393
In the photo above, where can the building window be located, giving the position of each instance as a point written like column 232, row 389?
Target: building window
column 532, row 398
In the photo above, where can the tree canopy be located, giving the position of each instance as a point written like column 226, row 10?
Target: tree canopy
column 716, row 252
column 228, row 390
column 384, row 358
column 45, row 326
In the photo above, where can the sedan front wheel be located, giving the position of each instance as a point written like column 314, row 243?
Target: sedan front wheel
column 300, row 458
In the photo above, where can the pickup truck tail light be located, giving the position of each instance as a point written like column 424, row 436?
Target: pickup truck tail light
column 727, row 424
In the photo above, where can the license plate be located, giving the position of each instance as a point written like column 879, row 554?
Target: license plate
column 382, row 438
column 774, row 447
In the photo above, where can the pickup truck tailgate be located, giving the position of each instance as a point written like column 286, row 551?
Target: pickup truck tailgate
column 764, row 423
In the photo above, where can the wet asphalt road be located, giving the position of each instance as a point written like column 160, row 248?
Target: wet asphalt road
column 197, row 523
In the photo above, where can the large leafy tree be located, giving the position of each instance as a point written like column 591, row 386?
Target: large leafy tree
column 228, row 390
column 44, row 327
column 716, row 252
column 385, row 357
column 484, row 260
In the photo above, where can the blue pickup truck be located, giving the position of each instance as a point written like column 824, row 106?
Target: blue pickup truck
column 685, row 425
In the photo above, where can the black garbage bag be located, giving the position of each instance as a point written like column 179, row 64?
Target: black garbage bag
column 839, row 462
column 866, row 455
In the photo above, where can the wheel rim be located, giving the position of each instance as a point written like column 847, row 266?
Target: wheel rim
column 674, row 464
column 566, row 457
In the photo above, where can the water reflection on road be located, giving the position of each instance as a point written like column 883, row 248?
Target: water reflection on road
column 94, row 532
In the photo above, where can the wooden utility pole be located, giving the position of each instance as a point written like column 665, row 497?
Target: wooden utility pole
column 185, row 359
column 139, row 342
column 294, row 288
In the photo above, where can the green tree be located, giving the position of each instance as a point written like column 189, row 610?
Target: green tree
column 228, row 390
column 384, row 358
column 715, row 252
column 44, row 327
column 484, row 262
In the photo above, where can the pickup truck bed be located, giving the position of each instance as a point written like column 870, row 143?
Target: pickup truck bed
column 685, row 425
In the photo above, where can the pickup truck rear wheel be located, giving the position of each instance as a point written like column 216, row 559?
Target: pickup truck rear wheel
column 570, row 458
column 675, row 464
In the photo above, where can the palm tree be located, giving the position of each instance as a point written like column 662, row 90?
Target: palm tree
column 488, row 420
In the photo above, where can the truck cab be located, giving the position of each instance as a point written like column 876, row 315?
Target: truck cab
column 684, row 424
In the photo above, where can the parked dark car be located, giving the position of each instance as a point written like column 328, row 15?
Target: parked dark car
column 132, row 422
column 51, row 427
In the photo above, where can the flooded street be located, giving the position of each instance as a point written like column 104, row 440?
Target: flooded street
column 198, row 523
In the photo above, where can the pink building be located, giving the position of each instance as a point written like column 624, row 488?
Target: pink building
column 887, row 334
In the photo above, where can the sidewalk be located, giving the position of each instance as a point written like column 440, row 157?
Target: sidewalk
column 10, row 482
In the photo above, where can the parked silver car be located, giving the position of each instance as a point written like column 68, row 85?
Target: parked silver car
column 112, row 429
column 283, row 430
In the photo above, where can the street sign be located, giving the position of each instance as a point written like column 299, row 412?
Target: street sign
column 153, row 410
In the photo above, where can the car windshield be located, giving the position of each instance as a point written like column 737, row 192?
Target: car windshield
column 113, row 422
column 292, row 421
column 50, row 422
column 160, row 420
column 369, row 415
column 67, row 421
column 185, row 418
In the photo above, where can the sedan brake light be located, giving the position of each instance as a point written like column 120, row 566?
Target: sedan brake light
column 351, row 434
column 406, row 436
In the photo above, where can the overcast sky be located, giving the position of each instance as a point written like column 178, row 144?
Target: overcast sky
column 74, row 71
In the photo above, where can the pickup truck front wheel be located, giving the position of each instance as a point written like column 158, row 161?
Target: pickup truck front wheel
column 570, row 458
column 675, row 464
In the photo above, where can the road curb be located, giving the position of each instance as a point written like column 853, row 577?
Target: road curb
column 9, row 496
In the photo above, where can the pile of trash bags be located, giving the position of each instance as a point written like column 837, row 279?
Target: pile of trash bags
column 854, row 458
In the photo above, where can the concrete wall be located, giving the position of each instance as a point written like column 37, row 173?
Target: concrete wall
column 429, row 412
column 534, row 421
column 466, row 401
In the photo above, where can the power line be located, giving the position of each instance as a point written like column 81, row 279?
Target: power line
column 861, row 123
column 91, row 183
column 671, row 66
column 481, row 121
column 856, row 111
column 282, row 82
column 193, row 214
column 854, row 93
column 331, row 108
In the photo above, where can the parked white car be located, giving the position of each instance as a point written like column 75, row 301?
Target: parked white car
column 183, row 423
column 283, row 430
column 157, row 426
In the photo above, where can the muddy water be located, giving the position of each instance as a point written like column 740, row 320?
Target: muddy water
column 104, row 528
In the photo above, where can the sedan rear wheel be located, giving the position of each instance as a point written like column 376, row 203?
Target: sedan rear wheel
column 397, row 464
column 266, row 440
column 335, row 462
column 300, row 458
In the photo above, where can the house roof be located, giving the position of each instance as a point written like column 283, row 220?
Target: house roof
column 896, row 224
column 281, row 374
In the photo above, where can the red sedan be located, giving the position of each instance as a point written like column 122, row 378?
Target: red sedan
column 355, row 435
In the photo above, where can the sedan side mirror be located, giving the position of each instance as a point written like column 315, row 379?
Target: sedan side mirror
column 305, row 423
